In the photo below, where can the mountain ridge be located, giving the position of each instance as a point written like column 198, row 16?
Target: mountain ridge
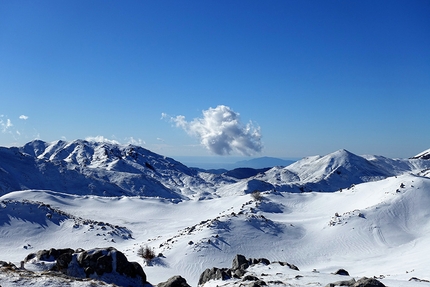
column 110, row 169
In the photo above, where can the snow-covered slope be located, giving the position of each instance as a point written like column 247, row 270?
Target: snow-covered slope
column 372, row 229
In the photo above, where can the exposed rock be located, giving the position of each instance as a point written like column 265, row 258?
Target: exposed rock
column 214, row 274
column 258, row 283
column 238, row 270
column 368, row 282
column 250, row 278
column 238, row 273
column 63, row 262
column 29, row 257
column 8, row 265
column 261, row 260
column 97, row 260
column 341, row 272
column 48, row 255
column 98, row 263
column 291, row 266
column 175, row 281
column 418, row 280
column 342, row 283
column 240, row 262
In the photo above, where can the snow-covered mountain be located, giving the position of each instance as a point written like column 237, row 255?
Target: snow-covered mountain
column 373, row 222
column 107, row 169
column 338, row 170
column 98, row 168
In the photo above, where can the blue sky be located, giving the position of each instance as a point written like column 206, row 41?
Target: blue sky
column 311, row 76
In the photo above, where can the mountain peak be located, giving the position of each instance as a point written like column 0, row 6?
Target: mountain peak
column 422, row 155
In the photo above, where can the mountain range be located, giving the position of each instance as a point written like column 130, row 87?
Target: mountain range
column 106, row 169
column 368, row 214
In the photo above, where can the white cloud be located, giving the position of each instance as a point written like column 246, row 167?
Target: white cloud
column 134, row 141
column 5, row 125
column 101, row 139
column 221, row 131
column 23, row 117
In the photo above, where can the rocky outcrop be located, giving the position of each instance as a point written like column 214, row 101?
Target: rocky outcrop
column 175, row 281
column 238, row 269
column 368, row 282
column 363, row 282
column 105, row 264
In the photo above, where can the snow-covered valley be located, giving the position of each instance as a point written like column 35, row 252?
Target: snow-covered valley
column 366, row 214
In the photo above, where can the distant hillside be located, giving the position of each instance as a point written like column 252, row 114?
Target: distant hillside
column 245, row 172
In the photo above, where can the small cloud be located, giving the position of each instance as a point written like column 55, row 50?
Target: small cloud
column 101, row 139
column 5, row 125
column 23, row 117
column 160, row 139
column 134, row 141
column 221, row 131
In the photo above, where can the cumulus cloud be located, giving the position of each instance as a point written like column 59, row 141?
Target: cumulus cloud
column 101, row 139
column 221, row 131
column 23, row 117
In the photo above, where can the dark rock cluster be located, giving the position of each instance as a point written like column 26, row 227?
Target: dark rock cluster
column 238, row 269
column 363, row 282
column 92, row 263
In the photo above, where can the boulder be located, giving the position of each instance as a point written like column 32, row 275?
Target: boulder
column 341, row 272
column 52, row 254
column 175, row 281
column 368, row 282
column 63, row 261
column 105, row 264
column 214, row 274
column 342, row 283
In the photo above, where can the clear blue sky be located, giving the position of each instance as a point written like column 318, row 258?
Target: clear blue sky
column 314, row 76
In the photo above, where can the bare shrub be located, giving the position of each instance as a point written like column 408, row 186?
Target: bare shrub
column 146, row 253
column 256, row 194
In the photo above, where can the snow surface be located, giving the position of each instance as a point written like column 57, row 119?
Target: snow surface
column 378, row 225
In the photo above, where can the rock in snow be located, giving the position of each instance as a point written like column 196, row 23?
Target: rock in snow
column 104, row 264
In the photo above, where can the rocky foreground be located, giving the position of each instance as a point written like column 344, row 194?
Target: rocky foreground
column 110, row 267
